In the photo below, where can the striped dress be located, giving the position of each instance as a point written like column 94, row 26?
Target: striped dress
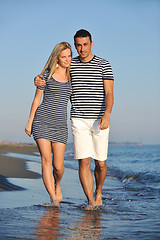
column 50, row 121
column 87, row 80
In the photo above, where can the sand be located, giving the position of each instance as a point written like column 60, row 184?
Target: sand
column 128, row 209
column 14, row 167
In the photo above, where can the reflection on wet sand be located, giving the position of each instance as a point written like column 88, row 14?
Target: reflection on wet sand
column 49, row 225
column 88, row 227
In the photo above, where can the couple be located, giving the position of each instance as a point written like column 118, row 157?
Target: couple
column 88, row 81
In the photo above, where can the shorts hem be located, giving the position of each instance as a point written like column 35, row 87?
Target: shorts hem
column 83, row 157
column 91, row 156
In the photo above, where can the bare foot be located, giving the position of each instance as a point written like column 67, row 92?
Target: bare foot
column 91, row 207
column 58, row 193
column 55, row 203
column 98, row 199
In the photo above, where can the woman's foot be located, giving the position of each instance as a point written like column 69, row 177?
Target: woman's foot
column 55, row 203
column 98, row 199
column 91, row 207
column 58, row 193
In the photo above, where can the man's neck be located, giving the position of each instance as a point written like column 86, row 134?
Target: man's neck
column 87, row 59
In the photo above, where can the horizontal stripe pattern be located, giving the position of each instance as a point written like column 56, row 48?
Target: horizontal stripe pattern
column 88, row 96
column 50, row 121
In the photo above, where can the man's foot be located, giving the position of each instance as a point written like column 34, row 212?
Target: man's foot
column 58, row 193
column 98, row 199
column 91, row 207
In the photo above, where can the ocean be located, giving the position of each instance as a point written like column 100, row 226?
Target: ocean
column 131, row 200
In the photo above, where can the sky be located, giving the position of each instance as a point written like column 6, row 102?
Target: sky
column 126, row 33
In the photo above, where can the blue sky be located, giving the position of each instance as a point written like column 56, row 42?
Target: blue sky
column 126, row 32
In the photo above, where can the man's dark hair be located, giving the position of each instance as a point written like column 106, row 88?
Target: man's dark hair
column 82, row 33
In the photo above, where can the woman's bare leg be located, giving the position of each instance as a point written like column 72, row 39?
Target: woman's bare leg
column 58, row 167
column 47, row 174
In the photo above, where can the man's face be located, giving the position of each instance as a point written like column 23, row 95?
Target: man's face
column 83, row 46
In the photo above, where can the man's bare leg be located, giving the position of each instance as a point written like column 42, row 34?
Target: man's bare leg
column 86, row 180
column 58, row 167
column 100, row 175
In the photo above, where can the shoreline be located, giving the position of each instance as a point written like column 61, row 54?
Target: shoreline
column 15, row 167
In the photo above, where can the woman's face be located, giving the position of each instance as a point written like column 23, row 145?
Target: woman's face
column 64, row 58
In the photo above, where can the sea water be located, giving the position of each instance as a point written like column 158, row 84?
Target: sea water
column 131, row 200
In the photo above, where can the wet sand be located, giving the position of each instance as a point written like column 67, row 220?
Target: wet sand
column 14, row 167
column 127, row 205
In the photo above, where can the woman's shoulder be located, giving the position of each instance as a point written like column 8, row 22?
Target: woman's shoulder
column 46, row 74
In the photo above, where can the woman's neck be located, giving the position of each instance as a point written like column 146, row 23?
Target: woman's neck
column 60, row 74
column 61, row 70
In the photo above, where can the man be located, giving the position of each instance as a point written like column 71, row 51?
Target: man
column 91, row 106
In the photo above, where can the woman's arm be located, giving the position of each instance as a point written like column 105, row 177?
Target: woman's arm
column 35, row 104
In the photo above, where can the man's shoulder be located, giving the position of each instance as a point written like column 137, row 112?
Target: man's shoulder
column 75, row 60
column 100, row 60
column 95, row 61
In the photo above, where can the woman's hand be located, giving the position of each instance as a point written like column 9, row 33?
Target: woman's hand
column 28, row 129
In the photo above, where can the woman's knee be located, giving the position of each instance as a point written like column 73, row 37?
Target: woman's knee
column 46, row 161
column 58, row 168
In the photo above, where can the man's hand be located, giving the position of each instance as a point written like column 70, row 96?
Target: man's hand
column 104, row 121
column 38, row 81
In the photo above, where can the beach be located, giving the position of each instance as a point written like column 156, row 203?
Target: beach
column 130, row 197
column 13, row 167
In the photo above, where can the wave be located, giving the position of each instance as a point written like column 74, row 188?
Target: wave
column 140, row 177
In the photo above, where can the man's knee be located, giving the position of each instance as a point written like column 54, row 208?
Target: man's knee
column 101, row 165
column 84, row 163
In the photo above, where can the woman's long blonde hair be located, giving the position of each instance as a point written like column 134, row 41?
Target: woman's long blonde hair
column 52, row 60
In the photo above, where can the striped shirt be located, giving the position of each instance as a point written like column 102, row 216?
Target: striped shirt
column 88, row 95
column 50, row 121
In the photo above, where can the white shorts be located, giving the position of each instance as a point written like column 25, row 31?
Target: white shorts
column 89, row 140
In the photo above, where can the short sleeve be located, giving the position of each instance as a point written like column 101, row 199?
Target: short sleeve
column 107, row 73
column 45, row 77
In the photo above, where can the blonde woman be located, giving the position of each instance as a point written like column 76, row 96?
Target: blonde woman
column 48, row 120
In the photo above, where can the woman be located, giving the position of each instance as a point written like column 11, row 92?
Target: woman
column 48, row 121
